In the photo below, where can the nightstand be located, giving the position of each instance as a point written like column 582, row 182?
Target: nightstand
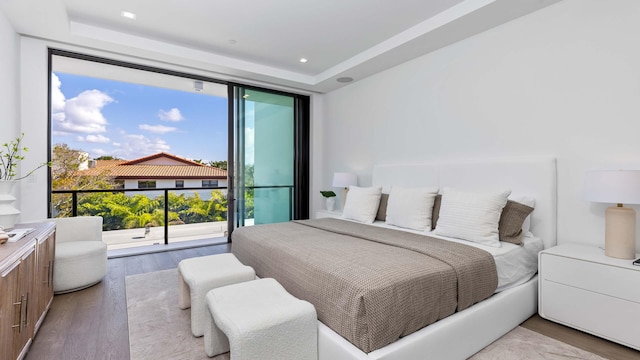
column 326, row 213
column 582, row 288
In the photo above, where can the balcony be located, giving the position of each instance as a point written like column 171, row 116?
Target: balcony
column 155, row 219
column 216, row 232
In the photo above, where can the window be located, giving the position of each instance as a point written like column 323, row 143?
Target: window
column 149, row 184
column 221, row 112
column 209, row 183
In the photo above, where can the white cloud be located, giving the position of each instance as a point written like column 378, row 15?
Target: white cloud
column 98, row 152
column 172, row 115
column 57, row 98
column 157, row 129
column 134, row 146
column 94, row 139
column 81, row 114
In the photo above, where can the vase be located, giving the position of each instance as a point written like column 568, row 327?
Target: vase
column 8, row 213
column 331, row 203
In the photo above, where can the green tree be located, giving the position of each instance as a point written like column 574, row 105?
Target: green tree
column 249, row 183
column 220, row 164
column 107, row 157
column 66, row 175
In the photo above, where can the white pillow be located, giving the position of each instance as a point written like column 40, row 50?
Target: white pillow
column 411, row 207
column 362, row 204
column 525, row 200
column 472, row 216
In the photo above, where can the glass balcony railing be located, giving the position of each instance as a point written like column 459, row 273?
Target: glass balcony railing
column 141, row 217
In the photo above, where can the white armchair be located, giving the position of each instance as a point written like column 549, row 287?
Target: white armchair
column 80, row 256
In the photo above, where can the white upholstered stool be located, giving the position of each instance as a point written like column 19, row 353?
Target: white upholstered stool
column 260, row 320
column 196, row 276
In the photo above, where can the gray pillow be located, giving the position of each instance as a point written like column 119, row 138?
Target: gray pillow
column 436, row 211
column 382, row 208
column 511, row 219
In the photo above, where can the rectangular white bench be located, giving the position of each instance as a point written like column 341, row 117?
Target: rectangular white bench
column 260, row 320
column 196, row 276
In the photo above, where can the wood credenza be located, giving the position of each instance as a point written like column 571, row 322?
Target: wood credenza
column 26, row 287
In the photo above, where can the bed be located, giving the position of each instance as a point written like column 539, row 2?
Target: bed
column 475, row 325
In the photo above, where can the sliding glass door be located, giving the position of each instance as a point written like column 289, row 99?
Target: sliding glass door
column 223, row 155
column 270, row 157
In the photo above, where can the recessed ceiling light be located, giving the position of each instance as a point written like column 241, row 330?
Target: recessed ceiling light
column 303, row 60
column 344, row 79
column 128, row 14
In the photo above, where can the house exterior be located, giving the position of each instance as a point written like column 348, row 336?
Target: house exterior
column 159, row 171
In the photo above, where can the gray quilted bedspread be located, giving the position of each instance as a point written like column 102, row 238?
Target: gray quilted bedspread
column 369, row 284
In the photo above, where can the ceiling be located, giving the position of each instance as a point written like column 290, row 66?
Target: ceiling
column 263, row 41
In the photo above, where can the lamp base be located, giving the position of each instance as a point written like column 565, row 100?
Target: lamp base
column 345, row 192
column 620, row 233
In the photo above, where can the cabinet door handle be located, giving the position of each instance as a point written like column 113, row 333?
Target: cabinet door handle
column 22, row 323
column 48, row 276
column 25, row 318
column 19, row 320
column 50, row 273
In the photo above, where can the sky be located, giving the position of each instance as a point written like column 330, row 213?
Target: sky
column 128, row 121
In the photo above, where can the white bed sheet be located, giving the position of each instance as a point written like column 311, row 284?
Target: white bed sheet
column 515, row 264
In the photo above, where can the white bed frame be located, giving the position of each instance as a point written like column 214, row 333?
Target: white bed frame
column 462, row 334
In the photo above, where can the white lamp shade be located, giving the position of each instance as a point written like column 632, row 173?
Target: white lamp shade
column 344, row 180
column 613, row 186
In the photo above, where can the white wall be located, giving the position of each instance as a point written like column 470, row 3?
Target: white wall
column 9, row 95
column 34, row 110
column 563, row 81
column 165, row 183
column 9, row 43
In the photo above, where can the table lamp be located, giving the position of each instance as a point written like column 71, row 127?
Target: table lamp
column 344, row 180
column 617, row 187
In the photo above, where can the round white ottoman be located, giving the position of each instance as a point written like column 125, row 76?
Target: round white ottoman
column 196, row 276
column 260, row 320
column 78, row 265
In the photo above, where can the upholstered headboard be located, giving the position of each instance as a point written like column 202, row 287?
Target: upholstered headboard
column 535, row 177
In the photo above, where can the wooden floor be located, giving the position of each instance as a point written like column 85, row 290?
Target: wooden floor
column 584, row 341
column 92, row 323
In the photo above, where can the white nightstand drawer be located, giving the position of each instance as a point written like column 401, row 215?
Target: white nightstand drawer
column 610, row 280
column 609, row 317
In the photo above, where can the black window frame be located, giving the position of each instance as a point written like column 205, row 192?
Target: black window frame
column 148, row 182
column 301, row 128
column 211, row 183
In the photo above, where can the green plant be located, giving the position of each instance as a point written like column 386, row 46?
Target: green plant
column 328, row 194
column 10, row 158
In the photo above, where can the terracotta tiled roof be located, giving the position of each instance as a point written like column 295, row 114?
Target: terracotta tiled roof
column 106, row 163
column 161, row 155
column 136, row 169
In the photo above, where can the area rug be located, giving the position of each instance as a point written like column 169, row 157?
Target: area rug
column 524, row 344
column 158, row 329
